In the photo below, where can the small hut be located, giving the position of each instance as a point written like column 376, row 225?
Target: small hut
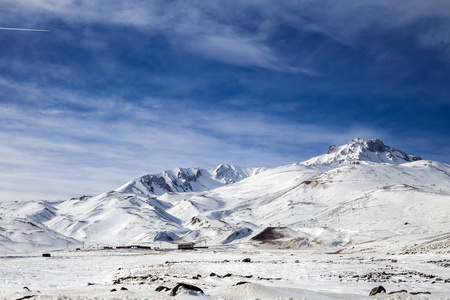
column 186, row 246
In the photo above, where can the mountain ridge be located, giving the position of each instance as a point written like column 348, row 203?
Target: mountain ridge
column 187, row 180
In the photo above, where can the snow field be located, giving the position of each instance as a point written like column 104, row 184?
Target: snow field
column 272, row 274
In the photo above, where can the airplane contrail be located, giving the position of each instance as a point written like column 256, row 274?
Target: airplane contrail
column 22, row 29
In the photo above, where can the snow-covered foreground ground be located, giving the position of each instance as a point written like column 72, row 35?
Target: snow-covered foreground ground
column 271, row 274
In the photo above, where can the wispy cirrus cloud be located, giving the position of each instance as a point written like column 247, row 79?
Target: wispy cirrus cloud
column 56, row 152
column 229, row 34
column 241, row 51
column 192, row 26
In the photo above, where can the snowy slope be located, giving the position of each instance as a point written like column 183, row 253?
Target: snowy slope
column 355, row 203
column 360, row 196
column 20, row 232
column 113, row 219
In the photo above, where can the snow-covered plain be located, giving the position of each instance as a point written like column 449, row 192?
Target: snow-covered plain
column 271, row 274
column 332, row 227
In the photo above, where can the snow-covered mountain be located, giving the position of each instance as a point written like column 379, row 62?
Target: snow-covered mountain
column 360, row 150
column 352, row 198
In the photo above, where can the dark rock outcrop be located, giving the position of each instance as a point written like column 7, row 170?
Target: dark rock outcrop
column 26, row 297
column 162, row 288
column 376, row 145
column 186, row 286
column 377, row 290
column 397, row 292
column 331, row 149
column 270, row 234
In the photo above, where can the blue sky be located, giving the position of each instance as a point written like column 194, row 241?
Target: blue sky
column 117, row 89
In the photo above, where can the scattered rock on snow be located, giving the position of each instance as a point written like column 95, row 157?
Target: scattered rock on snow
column 418, row 293
column 162, row 288
column 377, row 290
column 186, row 286
column 26, row 297
column 397, row 292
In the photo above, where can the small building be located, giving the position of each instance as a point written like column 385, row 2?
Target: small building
column 186, row 246
column 134, row 247
column 144, row 247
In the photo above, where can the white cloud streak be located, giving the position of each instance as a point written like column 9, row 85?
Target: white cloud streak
column 241, row 52
column 22, row 29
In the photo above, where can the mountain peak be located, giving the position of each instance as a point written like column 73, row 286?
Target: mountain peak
column 223, row 170
column 373, row 150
